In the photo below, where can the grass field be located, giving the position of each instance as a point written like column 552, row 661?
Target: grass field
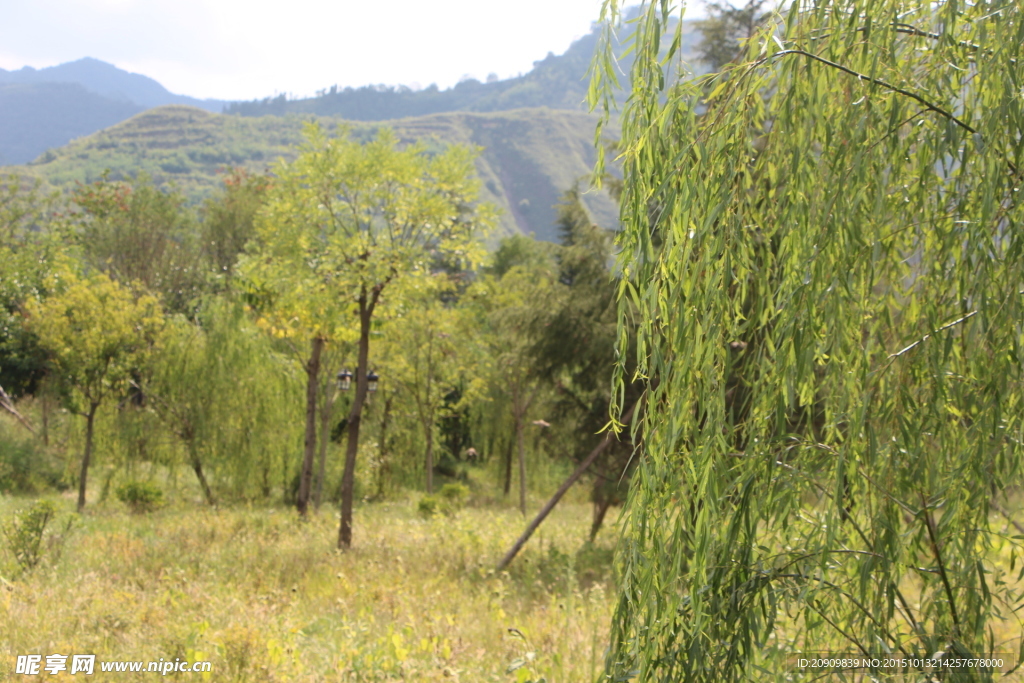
column 265, row 597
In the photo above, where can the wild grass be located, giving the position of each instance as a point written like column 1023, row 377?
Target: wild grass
column 264, row 596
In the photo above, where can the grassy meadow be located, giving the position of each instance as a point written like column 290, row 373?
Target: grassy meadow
column 264, row 596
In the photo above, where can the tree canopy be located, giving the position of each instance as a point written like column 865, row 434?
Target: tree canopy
column 822, row 246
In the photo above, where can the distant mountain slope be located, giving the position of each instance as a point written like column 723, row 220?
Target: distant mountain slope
column 45, row 108
column 107, row 80
column 558, row 82
column 530, row 156
column 37, row 116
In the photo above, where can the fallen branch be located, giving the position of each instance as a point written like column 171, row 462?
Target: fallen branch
column 7, row 404
column 550, row 505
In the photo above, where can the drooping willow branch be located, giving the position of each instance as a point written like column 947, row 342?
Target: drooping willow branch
column 930, row 106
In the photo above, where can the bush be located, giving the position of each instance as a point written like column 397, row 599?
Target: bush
column 428, row 507
column 455, row 495
column 26, row 530
column 140, row 496
column 448, row 501
column 26, row 468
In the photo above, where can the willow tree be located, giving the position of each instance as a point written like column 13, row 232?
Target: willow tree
column 823, row 245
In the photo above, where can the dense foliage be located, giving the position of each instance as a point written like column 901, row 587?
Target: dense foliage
column 823, row 248
column 207, row 340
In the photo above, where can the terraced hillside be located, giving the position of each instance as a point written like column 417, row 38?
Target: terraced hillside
column 529, row 156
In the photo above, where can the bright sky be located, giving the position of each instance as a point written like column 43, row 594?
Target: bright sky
column 244, row 49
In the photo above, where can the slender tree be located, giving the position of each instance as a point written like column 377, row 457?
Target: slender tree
column 365, row 216
column 823, row 245
column 97, row 333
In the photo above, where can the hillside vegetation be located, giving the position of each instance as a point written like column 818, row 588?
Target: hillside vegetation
column 529, row 156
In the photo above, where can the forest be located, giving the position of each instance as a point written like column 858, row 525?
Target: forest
column 325, row 424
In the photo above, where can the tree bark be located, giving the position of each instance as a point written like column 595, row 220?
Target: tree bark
column 385, row 467
column 550, row 505
column 600, row 509
column 8, row 404
column 508, row 466
column 354, row 417
column 429, row 431
column 312, row 384
column 521, row 447
column 325, row 438
column 90, row 419
column 197, row 467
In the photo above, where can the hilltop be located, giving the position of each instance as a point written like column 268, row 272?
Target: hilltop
column 529, row 157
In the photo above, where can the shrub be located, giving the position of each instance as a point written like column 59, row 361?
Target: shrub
column 27, row 468
column 26, row 530
column 448, row 501
column 428, row 506
column 140, row 496
column 454, row 495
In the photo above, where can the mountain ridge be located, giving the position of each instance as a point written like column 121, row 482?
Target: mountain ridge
column 103, row 78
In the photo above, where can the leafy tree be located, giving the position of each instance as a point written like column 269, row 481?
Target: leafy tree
column 98, row 332
column 29, row 250
column 576, row 347
column 217, row 385
column 514, row 305
column 139, row 234
column 24, row 208
column 825, row 255
column 294, row 300
column 431, row 341
column 727, row 28
column 367, row 216
column 229, row 219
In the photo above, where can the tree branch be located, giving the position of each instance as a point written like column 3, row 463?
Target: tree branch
column 7, row 404
column 876, row 81
column 546, row 510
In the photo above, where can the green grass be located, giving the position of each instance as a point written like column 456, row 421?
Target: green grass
column 266, row 597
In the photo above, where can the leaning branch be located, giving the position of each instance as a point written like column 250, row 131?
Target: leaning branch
column 546, row 510
column 7, row 404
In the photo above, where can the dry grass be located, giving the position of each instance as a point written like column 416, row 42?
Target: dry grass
column 266, row 597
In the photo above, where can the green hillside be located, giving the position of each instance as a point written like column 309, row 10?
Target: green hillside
column 530, row 156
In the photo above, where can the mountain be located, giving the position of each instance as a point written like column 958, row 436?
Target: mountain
column 107, row 80
column 37, row 116
column 45, row 108
column 529, row 156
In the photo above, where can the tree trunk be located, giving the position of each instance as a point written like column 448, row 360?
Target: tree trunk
column 197, row 467
column 325, row 438
column 601, row 506
column 508, row 466
column 429, row 430
column 87, row 456
column 550, row 505
column 385, row 466
column 521, row 446
column 312, row 384
column 354, row 417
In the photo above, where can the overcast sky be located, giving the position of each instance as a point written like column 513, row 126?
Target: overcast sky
column 234, row 49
